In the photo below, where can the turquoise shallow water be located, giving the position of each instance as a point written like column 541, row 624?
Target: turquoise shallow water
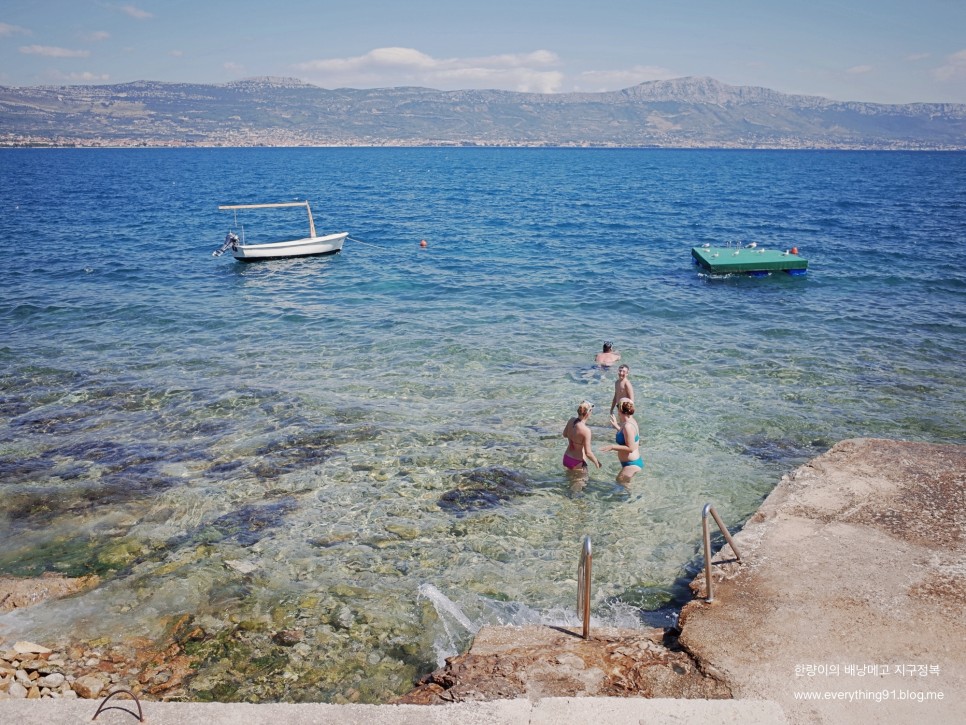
column 273, row 445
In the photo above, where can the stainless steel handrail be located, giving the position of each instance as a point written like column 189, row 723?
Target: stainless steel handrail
column 583, row 585
column 708, row 508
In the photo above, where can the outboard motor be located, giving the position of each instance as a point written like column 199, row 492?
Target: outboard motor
column 231, row 242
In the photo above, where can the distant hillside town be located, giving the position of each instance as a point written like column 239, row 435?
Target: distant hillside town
column 681, row 113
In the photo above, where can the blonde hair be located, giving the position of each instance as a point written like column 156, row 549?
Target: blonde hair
column 584, row 408
column 626, row 406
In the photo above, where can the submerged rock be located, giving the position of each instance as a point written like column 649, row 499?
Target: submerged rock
column 484, row 488
column 779, row 450
column 294, row 453
column 245, row 526
column 33, row 505
column 250, row 523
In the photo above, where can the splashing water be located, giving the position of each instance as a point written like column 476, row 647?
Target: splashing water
column 448, row 611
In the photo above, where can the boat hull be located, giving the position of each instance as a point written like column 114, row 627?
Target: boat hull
column 308, row 247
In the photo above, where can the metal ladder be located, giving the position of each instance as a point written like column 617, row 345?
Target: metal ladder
column 586, row 561
column 583, row 585
column 709, row 509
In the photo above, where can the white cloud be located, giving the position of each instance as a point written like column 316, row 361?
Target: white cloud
column 859, row 70
column 52, row 52
column 386, row 67
column 7, row 30
column 96, row 37
column 954, row 69
column 597, row 81
column 135, row 12
column 233, row 67
column 176, row 53
column 917, row 56
column 86, row 77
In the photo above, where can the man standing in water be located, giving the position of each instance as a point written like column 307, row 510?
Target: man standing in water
column 622, row 387
column 608, row 357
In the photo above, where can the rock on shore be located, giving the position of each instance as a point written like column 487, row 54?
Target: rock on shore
column 537, row 662
column 16, row 593
column 32, row 671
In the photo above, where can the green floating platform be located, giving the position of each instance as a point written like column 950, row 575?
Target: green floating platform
column 729, row 260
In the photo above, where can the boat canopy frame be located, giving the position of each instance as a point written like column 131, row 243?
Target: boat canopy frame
column 312, row 234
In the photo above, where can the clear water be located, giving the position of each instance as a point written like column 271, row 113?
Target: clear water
column 267, row 446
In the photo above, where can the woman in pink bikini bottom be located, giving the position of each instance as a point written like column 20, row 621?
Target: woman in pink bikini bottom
column 578, row 436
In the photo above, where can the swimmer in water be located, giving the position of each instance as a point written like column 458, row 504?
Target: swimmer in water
column 607, row 356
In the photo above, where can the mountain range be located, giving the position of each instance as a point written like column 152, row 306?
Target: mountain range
column 682, row 113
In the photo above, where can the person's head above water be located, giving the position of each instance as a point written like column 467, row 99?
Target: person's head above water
column 608, row 346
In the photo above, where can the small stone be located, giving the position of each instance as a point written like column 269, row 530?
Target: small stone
column 242, row 567
column 33, row 693
column 30, row 648
column 16, row 691
column 161, row 677
column 288, row 637
column 403, row 532
column 88, row 686
column 197, row 634
column 55, row 679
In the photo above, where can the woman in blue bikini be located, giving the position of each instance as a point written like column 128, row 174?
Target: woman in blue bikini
column 628, row 442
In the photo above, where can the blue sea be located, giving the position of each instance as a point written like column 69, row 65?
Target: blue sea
column 365, row 448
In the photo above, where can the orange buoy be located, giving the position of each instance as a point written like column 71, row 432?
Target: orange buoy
column 794, row 250
column 422, row 243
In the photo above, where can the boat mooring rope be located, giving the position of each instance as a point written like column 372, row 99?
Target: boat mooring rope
column 359, row 241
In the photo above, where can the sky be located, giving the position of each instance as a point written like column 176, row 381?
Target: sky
column 877, row 51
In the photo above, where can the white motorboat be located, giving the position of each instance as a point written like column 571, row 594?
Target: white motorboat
column 309, row 246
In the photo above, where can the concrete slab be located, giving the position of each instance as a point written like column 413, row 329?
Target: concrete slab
column 849, row 606
column 548, row 711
